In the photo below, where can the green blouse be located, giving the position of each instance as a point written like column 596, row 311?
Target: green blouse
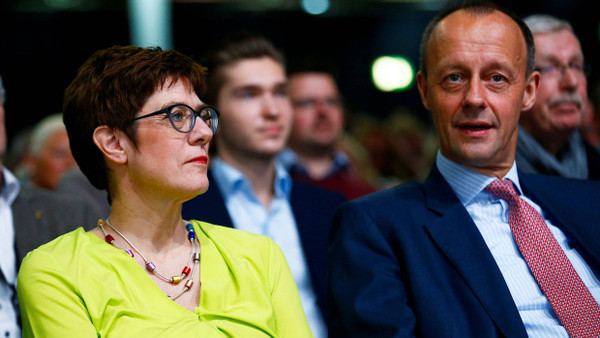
column 80, row 286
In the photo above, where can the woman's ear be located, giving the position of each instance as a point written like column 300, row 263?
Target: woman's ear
column 111, row 143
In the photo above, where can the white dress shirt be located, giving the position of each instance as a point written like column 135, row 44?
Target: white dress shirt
column 490, row 215
column 276, row 222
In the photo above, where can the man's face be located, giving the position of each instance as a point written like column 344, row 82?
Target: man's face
column 476, row 88
column 256, row 114
column 318, row 114
column 53, row 161
column 563, row 90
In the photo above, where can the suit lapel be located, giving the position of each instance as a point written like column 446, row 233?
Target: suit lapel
column 452, row 228
column 313, row 239
column 574, row 219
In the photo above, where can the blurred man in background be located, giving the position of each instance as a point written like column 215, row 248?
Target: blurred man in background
column 550, row 141
column 314, row 155
column 48, row 155
column 249, row 189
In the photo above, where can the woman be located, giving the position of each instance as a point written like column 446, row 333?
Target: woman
column 131, row 118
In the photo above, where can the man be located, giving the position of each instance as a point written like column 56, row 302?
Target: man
column 439, row 258
column 314, row 155
column 9, row 188
column 28, row 218
column 249, row 189
column 49, row 156
column 550, row 141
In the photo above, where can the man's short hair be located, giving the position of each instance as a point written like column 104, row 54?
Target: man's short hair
column 237, row 47
column 543, row 23
column 478, row 8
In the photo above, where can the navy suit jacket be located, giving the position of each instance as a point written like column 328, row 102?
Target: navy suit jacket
column 410, row 261
column 313, row 210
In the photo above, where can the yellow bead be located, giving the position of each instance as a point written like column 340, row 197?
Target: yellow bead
column 176, row 279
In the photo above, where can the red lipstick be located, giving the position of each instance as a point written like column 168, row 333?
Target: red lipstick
column 200, row 159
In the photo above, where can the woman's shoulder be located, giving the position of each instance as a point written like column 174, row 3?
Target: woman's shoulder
column 65, row 250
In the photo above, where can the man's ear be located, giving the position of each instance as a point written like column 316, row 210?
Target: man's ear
column 422, row 85
column 112, row 143
column 531, row 87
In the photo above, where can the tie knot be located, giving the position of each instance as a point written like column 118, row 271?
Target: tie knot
column 503, row 189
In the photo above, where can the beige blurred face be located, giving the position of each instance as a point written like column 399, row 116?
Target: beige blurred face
column 256, row 114
column 53, row 162
column 318, row 113
column 561, row 96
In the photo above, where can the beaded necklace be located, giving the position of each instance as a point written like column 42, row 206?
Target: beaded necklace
column 186, row 272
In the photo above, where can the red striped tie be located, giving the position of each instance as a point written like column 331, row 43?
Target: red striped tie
column 571, row 300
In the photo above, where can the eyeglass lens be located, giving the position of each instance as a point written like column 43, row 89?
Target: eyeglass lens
column 183, row 118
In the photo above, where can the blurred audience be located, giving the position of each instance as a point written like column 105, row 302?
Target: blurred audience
column 549, row 139
column 16, row 152
column 29, row 217
column 75, row 183
column 413, row 143
column 314, row 154
column 48, row 156
column 400, row 147
column 249, row 189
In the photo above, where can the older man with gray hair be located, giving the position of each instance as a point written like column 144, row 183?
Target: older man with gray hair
column 549, row 140
column 49, row 156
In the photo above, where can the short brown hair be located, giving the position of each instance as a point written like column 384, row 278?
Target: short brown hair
column 237, row 47
column 110, row 88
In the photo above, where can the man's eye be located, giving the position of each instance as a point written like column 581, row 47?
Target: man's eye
column 453, row 77
column 498, row 78
column 246, row 94
column 304, row 103
column 281, row 92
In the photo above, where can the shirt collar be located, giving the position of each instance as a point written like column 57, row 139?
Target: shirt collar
column 289, row 159
column 10, row 186
column 467, row 183
column 231, row 180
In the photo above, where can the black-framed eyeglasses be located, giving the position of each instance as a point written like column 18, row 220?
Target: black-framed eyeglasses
column 555, row 70
column 183, row 117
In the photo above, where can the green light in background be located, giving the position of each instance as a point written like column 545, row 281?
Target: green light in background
column 392, row 73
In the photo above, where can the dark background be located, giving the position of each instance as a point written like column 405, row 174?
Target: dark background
column 41, row 47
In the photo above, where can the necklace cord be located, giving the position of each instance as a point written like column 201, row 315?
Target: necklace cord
column 151, row 267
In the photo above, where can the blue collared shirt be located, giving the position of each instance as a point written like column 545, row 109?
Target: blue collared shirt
column 277, row 222
column 8, row 258
column 490, row 215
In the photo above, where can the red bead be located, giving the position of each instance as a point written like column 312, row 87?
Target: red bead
column 109, row 239
column 186, row 271
column 189, row 284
